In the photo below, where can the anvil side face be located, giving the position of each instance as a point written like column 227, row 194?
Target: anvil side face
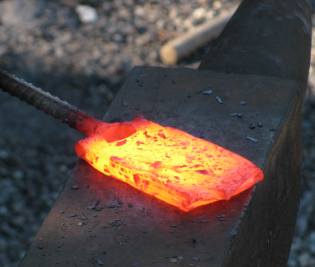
column 108, row 222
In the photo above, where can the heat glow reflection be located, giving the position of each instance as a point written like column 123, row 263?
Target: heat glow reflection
column 167, row 163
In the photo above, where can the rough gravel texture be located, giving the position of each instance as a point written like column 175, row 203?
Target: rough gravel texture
column 85, row 61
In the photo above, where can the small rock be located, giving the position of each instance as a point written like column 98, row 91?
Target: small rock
column 199, row 16
column 143, row 39
column 80, row 223
column 217, row 5
column 243, row 103
column 87, row 14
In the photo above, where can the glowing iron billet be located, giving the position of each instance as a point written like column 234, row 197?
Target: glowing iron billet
column 167, row 163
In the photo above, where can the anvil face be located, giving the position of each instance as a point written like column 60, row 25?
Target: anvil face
column 170, row 164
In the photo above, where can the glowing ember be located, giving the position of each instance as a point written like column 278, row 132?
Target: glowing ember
column 169, row 164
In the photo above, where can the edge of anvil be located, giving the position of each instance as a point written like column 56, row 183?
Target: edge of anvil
column 107, row 222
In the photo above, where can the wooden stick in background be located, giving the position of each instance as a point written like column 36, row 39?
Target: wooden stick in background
column 182, row 46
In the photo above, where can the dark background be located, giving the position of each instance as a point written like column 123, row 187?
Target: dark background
column 47, row 43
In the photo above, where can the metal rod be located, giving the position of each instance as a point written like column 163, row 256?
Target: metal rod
column 44, row 101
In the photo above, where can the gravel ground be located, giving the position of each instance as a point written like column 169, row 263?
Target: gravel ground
column 82, row 54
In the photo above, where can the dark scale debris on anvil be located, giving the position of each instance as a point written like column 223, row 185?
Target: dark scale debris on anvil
column 76, row 59
column 237, row 115
column 207, row 92
column 219, row 100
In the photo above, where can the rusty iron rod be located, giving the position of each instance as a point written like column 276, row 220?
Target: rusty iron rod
column 44, row 101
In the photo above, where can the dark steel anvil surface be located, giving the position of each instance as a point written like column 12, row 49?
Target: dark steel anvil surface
column 99, row 221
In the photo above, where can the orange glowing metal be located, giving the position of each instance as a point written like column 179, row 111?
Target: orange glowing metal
column 167, row 163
